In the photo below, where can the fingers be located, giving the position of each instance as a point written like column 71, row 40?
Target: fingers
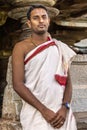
column 58, row 121
column 59, row 124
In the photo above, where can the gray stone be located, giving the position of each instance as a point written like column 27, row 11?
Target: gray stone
column 79, row 82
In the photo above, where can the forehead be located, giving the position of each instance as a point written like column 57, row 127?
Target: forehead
column 38, row 11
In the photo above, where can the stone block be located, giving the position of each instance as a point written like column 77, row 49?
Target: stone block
column 81, row 118
column 78, row 72
column 11, row 104
column 9, row 125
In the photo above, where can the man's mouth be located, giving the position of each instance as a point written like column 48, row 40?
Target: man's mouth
column 41, row 26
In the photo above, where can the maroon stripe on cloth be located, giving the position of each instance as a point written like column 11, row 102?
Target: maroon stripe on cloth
column 39, row 49
column 61, row 79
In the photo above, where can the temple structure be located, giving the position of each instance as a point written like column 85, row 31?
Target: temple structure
column 70, row 26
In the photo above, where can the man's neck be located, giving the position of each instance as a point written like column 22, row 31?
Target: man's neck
column 39, row 39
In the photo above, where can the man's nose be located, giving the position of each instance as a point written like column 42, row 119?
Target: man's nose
column 41, row 19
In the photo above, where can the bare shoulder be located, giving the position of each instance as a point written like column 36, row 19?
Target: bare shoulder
column 22, row 47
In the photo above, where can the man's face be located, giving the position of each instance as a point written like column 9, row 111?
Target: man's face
column 39, row 21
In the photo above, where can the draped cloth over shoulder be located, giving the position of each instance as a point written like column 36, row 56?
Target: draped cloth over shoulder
column 46, row 70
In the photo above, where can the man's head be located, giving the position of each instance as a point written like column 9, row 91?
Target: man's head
column 38, row 19
column 32, row 7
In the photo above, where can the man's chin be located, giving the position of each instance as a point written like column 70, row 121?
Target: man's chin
column 41, row 32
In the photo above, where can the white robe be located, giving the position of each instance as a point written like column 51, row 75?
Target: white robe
column 40, row 73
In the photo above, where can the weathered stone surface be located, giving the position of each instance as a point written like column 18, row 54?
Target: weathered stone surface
column 21, row 13
column 9, row 125
column 72, row 23
column 11, row 101
column 81, row 118
column 3, row 17
column 79, row 83
column 72, row 14
column 23, row 2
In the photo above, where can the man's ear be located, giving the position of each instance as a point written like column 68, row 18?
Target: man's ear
column 28, row 23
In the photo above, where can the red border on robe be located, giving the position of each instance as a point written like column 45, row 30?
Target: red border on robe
column 60, row 79
column 39, row 49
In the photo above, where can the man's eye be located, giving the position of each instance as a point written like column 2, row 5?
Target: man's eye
column 35, row 18
column 44, row 17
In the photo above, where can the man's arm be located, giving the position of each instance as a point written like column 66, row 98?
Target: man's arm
column 68, row 90
column 62, row 112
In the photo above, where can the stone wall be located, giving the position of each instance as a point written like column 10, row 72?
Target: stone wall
column 79, row 82
column 3, row 71
column 11, row 101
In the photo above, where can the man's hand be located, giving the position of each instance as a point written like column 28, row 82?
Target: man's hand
column 48, row 114
column 60, row 117
column 55, row 119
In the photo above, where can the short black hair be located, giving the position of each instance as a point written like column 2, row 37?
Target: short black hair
column 32, row 7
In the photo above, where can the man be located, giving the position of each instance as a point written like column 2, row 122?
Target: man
column 41, row 76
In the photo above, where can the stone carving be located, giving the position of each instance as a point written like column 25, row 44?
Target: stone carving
column 21, row 13
column 23, row 2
